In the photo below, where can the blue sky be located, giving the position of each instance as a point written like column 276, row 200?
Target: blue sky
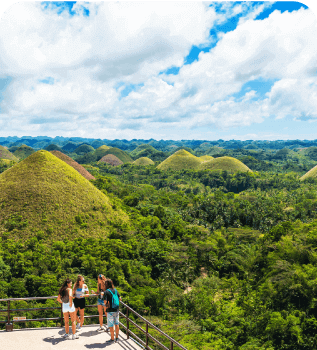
column 184, row 70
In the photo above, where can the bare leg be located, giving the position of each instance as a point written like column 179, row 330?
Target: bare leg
column 77, row 318
column 100, row 311
column 73, row 319
column 117, row 330
column 111, row 333
column 66, row 321
column 81, row 313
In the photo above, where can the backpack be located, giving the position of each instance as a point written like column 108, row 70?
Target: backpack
column 115, row 299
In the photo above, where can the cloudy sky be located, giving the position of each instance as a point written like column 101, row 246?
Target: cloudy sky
column 162, row 70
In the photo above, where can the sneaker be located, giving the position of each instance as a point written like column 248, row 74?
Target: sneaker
column 106, row 329
column 117, row 339
column 109, row 341
column 79, row 329
column 65, row 335
column 75, row 336
column 78, row 326
column 100, row 329
column 69, row 337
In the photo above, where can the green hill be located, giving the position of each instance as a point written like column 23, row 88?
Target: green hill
column 23, row 151
column 143, row 161
column 6, row 154
column 111, row 159
column 53, row 147
column 97, row 143
column 229, row 164
column 44, row 194
column 101, row 151
column 122, row 155
column 142, row 148
column 86, row 174
column 312, row 173
column 70, row 146
column 180, row 160
column 83, row 149
column 205, row 158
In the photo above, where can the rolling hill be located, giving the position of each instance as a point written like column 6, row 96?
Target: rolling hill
column 180, row 160
column 229, row 164
column 83, row 149
column 43, row 194
column 6, row 154
column 205, row 158
column 122, row 155
column 82, row 171
column 101, row 151
column 111, row 159
column 143, row 161
column 23, row 151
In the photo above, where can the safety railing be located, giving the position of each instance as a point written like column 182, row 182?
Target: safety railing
column 148, row 325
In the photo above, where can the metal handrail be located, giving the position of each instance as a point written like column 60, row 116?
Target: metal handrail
column 145, row 344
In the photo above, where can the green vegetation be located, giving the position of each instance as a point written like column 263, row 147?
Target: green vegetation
column 122, row 155
column 23, row 151
column 180, row 160
column 53, row 147
column 205, row 158
column 44, row 194
column 83, row 149
column 312, row 173
column 229, row 164
column 143, row 161
column 101, row 151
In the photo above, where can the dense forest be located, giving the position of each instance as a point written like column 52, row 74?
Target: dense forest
column 217, row 259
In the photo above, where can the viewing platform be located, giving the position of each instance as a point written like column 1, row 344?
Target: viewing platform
column 51, row 338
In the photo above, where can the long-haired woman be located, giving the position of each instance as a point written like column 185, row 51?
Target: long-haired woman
column 101, row 302
column 65, row 297
column 80, row 291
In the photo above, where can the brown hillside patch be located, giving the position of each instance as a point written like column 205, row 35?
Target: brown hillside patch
column 82, row 171
column 111, row 159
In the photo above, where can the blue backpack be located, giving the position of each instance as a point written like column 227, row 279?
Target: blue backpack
column 115, row 299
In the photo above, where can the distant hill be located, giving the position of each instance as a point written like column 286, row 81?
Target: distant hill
column 205, row 158
column 70, row 146
column 97, row 143
column 53, row 147
column 44, row 194
column 23, row 151
column 180, row 160
column 6, row 154
column 122, row 155
column 83, row 149
column 141, row 148
column 312, row 173
column 101, row 151
column 143, row 161
column 229, row 164
column 82, row 171
column 111, row 159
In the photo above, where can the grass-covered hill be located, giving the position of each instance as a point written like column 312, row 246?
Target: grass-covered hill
column 229, row 164
column 142, row 148
column 122, row 155
column 6, row 154
column 143, row 161
column 83, row 149
column 101, row 151
column 312, row 173
column 111, row 159
column 23, row 151
column 70, row 146
column 205, row 158
column 86, row 174
column 53, row 147
column 43, row 194
column 180, row 160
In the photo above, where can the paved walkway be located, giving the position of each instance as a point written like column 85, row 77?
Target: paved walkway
column 50, row 338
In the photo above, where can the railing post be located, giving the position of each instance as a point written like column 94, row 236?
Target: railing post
column 9, row 325
column 147, row 336
column 172, row 345
column 128, row 336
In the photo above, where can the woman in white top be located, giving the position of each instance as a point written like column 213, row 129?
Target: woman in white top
column 65, row 297
column 80, row 291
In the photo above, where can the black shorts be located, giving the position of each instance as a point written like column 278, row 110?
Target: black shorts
column 79, row 303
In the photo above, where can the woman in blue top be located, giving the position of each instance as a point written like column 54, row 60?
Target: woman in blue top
column 80, row 291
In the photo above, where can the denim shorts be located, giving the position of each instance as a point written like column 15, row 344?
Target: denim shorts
column 101, row 302
column 67, row 308
column 112, row 319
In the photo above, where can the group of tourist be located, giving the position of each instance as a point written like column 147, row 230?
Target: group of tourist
column 73, row 302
